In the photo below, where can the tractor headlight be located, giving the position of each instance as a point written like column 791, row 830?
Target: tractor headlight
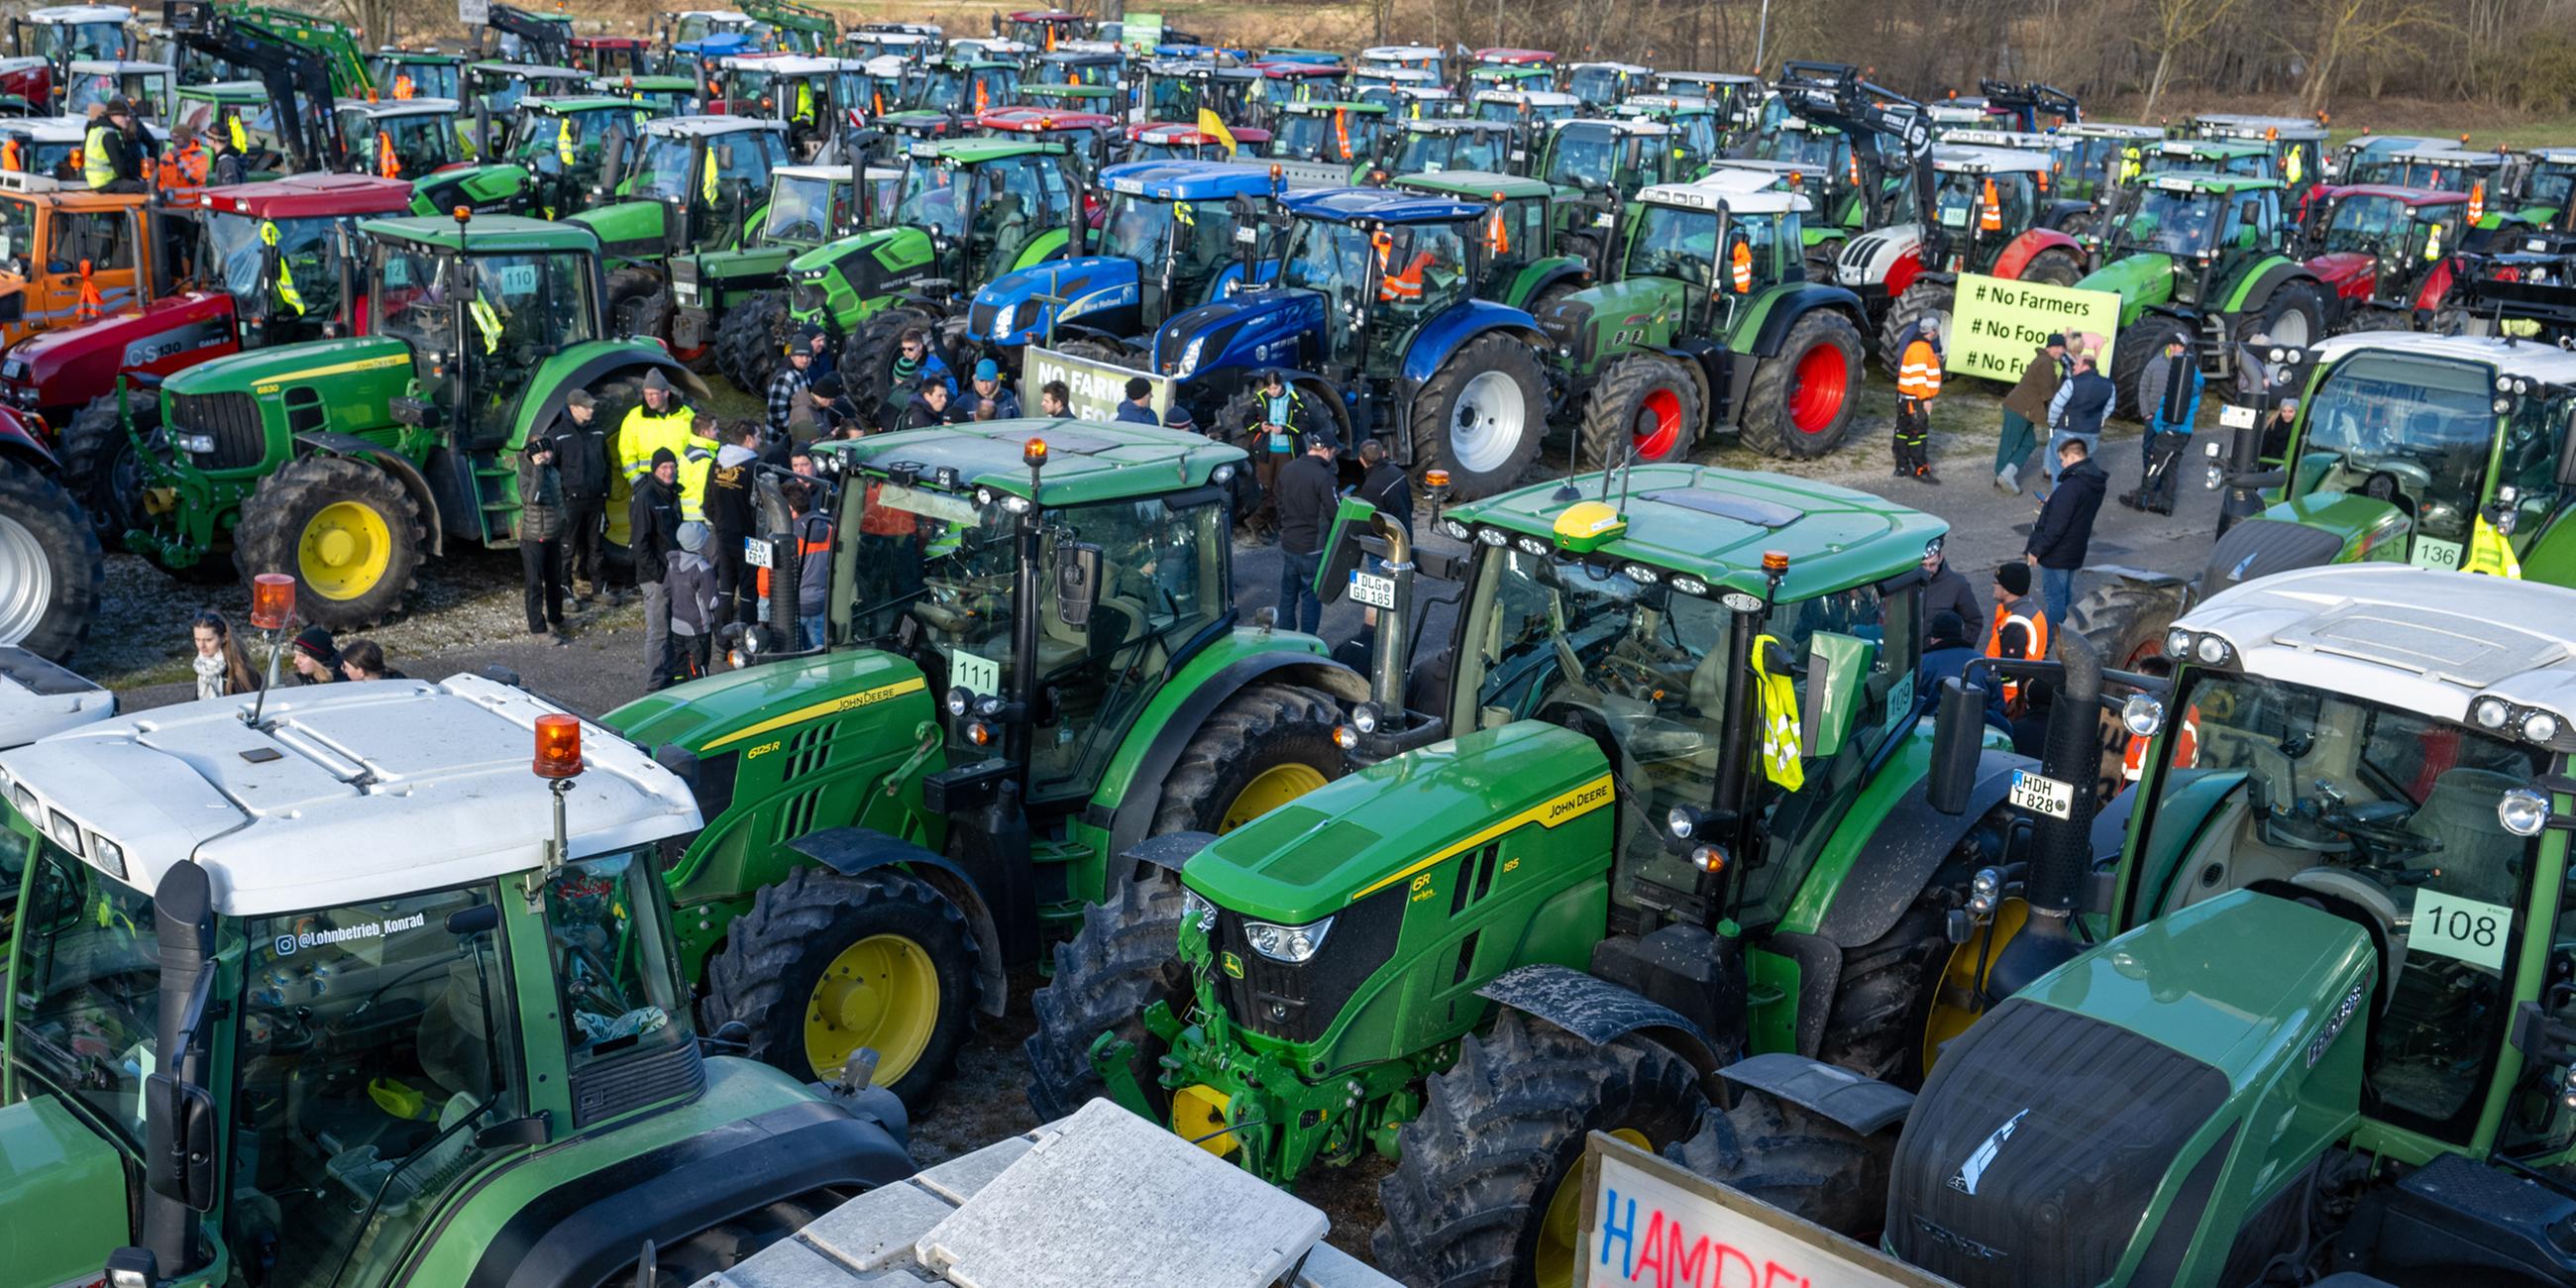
column 2491, row 713
column 2539, row 726
column 1365, row 717
column 2523, row 811
column 2177, row 644
column 2142, row 715
column 195, row 444
column 1492, row 536
column 1223, row 475
column 1198, row 910
column 1006, row 321
column 1292, row 944
column 960, row 700
column 1456, row 531
column 2211, row 650
column 1189, row 362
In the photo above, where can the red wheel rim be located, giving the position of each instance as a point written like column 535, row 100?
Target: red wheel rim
column 1657, row 428
column 689, row 354
column 1816, row 395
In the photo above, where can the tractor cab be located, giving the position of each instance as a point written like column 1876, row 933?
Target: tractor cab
column 2547, row 190
column 1527, row 107
column 47, row 147
column 1178, row 89
column 817, row 98
column 1382, row 268
column 1597, row 165
column 68, row 255
column 150, row 87
column 65, row 33
column 2210, row 226
column 2296, row 146
column 1175, row 141
column 1300, row 82
column 1185, row 232
column 1043, row 29
column 1492, row 77
column 479, row 307
column 796, row 28
column 1739, row 101
column 989, row 49
column 498, row 87
column 1407, row 95
column 1432, row 147
column 690, row 26
column 1344, row 134
column 1522, row 259
column 1716, row 244
column 611, row 55
column 2243, row 158
column 1701, row 127
column 913, row 45
column 660, row 95
column 1600, row 85
column 1095, row 99
column 406, row 138
column 985, row 203
column 706, row 173
column 813, row 204
column 563, row 142
column 2103, row 155
column 1982, row 198
column 1412, row 58
column 406, row 73
column 2368, row 158
column 1085, row 136
column 2386, row 251
column 246, row 115
column 962, row 89
column 1102, row 71
column 1379, row 77
column 2450, row 168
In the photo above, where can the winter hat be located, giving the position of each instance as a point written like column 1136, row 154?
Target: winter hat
column 2014, row 578
column 1948, row 627
column 315, row 642
column 693, row 537
column 661, row 454
column 656, row 380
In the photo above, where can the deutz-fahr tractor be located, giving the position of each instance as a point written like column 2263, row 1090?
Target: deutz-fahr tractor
column 2403, row 449
column 52, row 572
column 687, row 184
column 1657, row 800
column 1709, row 324
column 739, row 296
column 1990, row 212
column 1524, row 268
column 2201, row 257
column 2313, row 1025
column 1378, row 317
column 399, row 1031
column 343, row 462
column 2389, row 255
column 1034, row 664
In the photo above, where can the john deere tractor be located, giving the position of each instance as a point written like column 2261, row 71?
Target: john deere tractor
column 685, row 184
column 1034, row 664
column 344, row 462
column 390, row 1034
column 2312, row 1025
column 1656, row 800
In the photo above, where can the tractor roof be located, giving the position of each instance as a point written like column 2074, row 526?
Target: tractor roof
column 390, row 108
column 417, row 57
column 2016, row 140
column 1348, row 205
column 1079, row 57
column 2450, row 154
column 46, row 129
column 528, row 71
column 645, row 84
column 2111, row 130
column 486, row 234
column 567, row 104
column 1504, row 55
column 1743, row 189
column 1455, row 125
column 1640, row 126
column 1630, row 68
column 2228, row 124
column 38, row 698
column 1186, row 180
column 1086, row 460
column 792, row 64
column 2553, row 156
column 1714, row 524
column 1175, row 133
column 117, row 67
column 2202, row 181
column 1319, row 107
column 1041, row 120
column 343, row 794
column 2413, row 638
column 81, row 13
column 1043, row 15
column 2411, row 196
column 829, row 173
column 227, row 92
column 1734, row 79
column 976, row 151
column 1476, row 185
column 1402, row 75
column 708, row 127
column 2546, row 363
column 307, row 196
column 1401, row 51
column 1529, row 97
column 1778, row 171
column 1301, row 71
column 1975, row 160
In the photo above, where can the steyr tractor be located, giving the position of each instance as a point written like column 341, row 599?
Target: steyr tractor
column 52, row 572
column 1377, row 318
column 2388, row 254
column 685, row 184
column 2402, row 448
column 2312, row 1024
column 342, row 462
column 1658, row 800
column 400, row 1031
column 1034, row 664
column 739, row 296
column 1708, row 325
column 2201, row 257
column 1989, row 212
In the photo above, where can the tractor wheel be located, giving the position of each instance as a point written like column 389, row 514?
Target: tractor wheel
column 1794, row 1160
column 1120, row 962
column 867, row 360
column 2076, row 224
column 1924, row 298
column 1802, row 398
column 1648, row 404
column 1487, row 1190
column 2142, row 341
column 1481, row 416
column 752, row 340
column 2125, row 622
column 1884, row 996
column 2055, row 266
column 2295, row 316
column 346, row 531
column 824, row 964
column 51, row 572
column 635, row 303
column 1582, row 246
column 102, row 468
column 1549, row 295
column 1267, row 745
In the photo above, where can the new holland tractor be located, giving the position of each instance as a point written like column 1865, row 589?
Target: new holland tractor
column 2402, row 450
column 1034, row 664
column 1656, row 799
column 323, row 1000
column 2313, row 1025
column 344, row 462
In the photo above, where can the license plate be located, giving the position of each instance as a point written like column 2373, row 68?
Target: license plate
column 755, row 551
column 2043, row 795
column 1373, row 590
column 2235, row 416
column 684, row 292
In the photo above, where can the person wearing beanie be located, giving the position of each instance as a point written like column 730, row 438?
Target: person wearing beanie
column 732, row 504
column 2020, row 628
column 990, row 389
column 690, row 581
column 317, row 659
column 653, row 521
column 1138, row 406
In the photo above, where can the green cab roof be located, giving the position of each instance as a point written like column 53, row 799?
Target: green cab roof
column 2201, row 181
column 485, row 234
column 1475, row 185
column 1715, row 524
column 1087, row 460
column 566, row 105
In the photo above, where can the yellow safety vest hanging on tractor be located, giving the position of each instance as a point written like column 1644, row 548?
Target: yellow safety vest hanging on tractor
column 1780, row 739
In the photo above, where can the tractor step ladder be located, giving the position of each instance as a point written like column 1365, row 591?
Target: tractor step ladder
column 492, row 483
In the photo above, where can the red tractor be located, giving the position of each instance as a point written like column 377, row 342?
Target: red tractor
column 2388, row 254
column 263, row 269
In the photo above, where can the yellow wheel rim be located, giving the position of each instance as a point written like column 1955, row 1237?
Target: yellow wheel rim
column 881, row 992
column 1954, row 999
column 344, row 550
column 1268, row 790
column 1562, row 1227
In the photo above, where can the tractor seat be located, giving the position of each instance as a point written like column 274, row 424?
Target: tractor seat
column 2478, row 856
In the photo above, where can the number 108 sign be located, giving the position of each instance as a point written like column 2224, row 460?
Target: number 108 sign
column 2464, row 929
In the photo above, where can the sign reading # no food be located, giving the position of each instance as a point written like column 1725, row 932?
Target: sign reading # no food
column 1995, row 324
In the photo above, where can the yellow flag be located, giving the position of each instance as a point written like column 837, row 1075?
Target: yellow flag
column 2490, row 553
column 1780, row 740
column 1214, row 128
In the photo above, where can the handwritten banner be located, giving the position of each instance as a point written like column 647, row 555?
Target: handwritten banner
column 1648, row 1223
column 1995, row 324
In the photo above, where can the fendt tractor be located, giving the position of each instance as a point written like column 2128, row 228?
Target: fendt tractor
column 1034, row 664
column 321, row 999
column 2314, row 1025
column 1656, row 798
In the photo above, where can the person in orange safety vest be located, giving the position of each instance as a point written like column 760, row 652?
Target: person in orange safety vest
column 1918, row 382
column 2020, row 627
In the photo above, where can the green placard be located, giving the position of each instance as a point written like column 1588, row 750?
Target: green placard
column 1141, row 32
column 1996, row 324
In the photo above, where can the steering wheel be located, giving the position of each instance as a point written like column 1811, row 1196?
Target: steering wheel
column 1631, row 677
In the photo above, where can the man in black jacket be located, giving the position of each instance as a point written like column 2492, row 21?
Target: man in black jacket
column 1946, row 589
column 1386, row 485
column 1306, row 497
column 2065, row 526
column 730, row 519
column 653, row 521
column 581, row 460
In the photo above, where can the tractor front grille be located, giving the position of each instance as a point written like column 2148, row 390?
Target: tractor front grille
column 1298, row 1001
column 231, row 418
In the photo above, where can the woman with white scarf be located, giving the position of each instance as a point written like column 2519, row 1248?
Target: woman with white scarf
column 222, row 669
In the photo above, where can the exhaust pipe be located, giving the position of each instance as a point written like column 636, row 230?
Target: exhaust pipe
column 2061, row 848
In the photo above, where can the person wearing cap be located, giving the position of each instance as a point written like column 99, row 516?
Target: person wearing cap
column 317, row 659
column 793, row 379
column 1918, row 382
column 1306, row 497
column 1179, row 417
column 663, row 421
column 2026, row 409
column 732, row 519
column 1137, row 408
column 916, row 360
column 2019, row 631
column 541, row 527
column 581, row 460
column 108, row 161
column 653, row 520
column 990, row 389
column 2169, row 402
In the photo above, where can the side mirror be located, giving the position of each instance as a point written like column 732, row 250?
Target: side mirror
column 483, row 129
column 179, row 1151
column 1958, row 742
column 1838, row 667
column 1351, row 519
column 612, row 162
column 481, row 919
column 1077, row 583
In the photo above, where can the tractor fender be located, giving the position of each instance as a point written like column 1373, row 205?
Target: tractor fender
column 853, row 850
column 2018, row 252
column 1171, row 851
column 1600, row 1012
column 1907, row 847
column 2258, row 290
column 1794, row 303
column 1549, row 272
column 391, row 462
column 2059, row 212
column 588, row 1228
column 1864, row 1105
column 598, row 365
column 1451, row 331
column 19, row 443
column 1126, row 823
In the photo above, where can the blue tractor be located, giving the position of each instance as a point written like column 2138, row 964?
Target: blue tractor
column 1382, row 314
column 1178, row 234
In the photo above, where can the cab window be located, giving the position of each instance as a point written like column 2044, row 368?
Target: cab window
column 85, row 1011
column 105, row 238
column 617, row 983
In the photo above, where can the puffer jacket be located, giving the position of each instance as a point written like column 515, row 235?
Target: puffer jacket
column 541, row 500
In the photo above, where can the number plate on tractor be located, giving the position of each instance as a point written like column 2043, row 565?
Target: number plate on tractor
column 1373, row 590
column 2235, row 416
column 755, row 551
column 2043, row 795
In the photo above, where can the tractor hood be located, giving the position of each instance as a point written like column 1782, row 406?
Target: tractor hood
column 1253, row 329
column 489, row 189
column 2090, row 1122
column 2350, row 274
column 2140, row 280
column 747, row 709
column 2306, row 532
column 69, row 368
column 1089, row 285
column 1646, row 310
column 1396, row 822
column 352, row 374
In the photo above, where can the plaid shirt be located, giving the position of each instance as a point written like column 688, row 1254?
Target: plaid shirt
column 783, row 389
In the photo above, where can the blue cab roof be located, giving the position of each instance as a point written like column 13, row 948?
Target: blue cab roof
column 1182, row 180
column 1344, row 205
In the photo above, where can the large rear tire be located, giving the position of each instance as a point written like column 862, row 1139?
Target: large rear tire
column 1801, row 400
column 1481, row 416
column 1487, row 1188
column 824, row 964
column 1884, row 996
column 1647, row 403
column 52, row 573
column 1794, row 1160
column 2143, row 340
column 1120, row 962
column 751, row 342
column 2125, row 622
column 345, row 530
column 867, row 361
column 1926, row 297
column 101, row 467
column 2294, row 316
column 1267, row 745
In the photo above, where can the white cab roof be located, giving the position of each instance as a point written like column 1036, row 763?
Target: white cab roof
column 1947, row 156
column 2529, row 359
column 1749, row 191
column 38, row 698
column 81, row 13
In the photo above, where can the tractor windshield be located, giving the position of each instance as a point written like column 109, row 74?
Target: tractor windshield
column 1831, row 152
column 307, row 281
column 995, row 208
column 56, row 42
column 400, row 79
column 1337, row 135
column 2375, row 813
column 1598, row 87
column 515, row 309
column 2552, row 184
column 2442, row 174
column 543, row 140
column 2366, row 223
column 2411, row 431
column 17, row 234
column 1433, row 151
column 806, row 210
column 85, row 1010
column 2174, row 222
column 2000, row 204
column 1586, row 155
column 937, row 558
column 405, row 147
column 1193, row 237
column 148, row 91
column 668, row 164
column 1672, row 242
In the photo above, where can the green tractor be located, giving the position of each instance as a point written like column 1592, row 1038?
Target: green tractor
column 2314, row 1022
column 2201, row 258
column 425, row 141
column 345, row 1043
column 1709, row 324
column 343, row 462
column 554, row 150
column 682, row 185
column 1658, row 800
column 1597, row 166
column 739, row 296
column 1034, row 665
